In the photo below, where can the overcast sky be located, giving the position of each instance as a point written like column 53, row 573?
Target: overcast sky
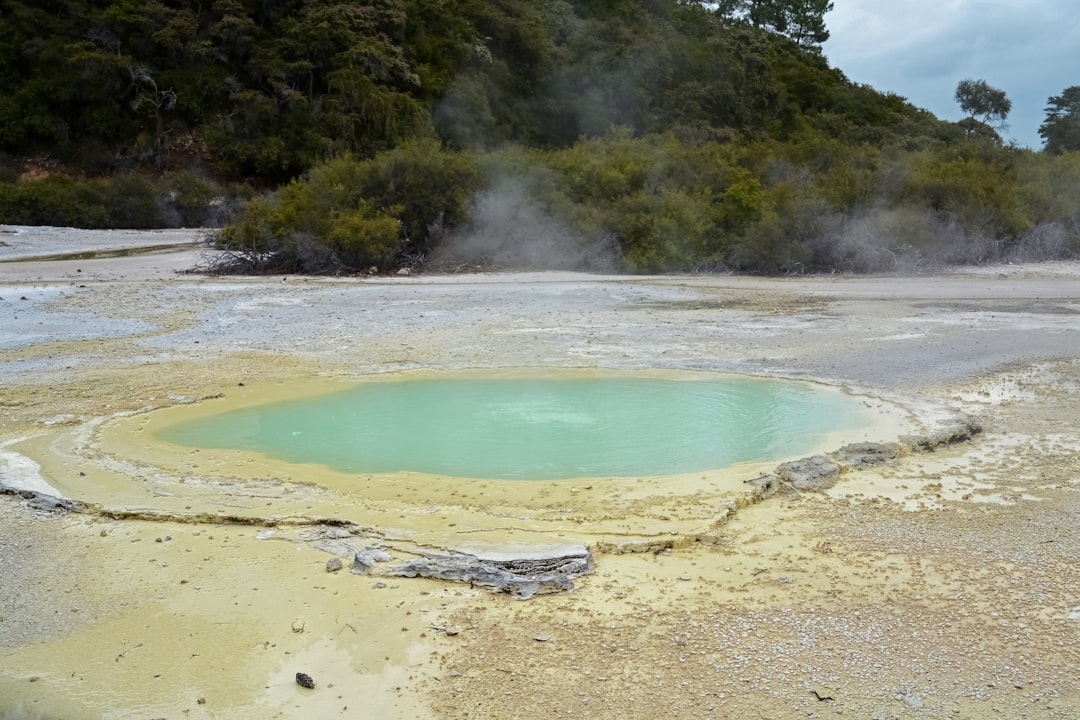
column 920, row 49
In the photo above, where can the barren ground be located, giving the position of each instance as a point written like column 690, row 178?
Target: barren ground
column 941, row 584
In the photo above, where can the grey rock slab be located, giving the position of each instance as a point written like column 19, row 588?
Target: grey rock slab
column 522, row 573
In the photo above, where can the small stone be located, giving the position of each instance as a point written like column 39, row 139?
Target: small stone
column 913, row 701
column 333, row 565
column 201, row 701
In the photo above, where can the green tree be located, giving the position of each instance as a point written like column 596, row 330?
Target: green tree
column 801, row 20
column 806, row 22
column 986, row 107
column 759, row 13
column 1061, row 131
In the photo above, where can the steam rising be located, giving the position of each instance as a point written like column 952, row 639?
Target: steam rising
column 508, row 229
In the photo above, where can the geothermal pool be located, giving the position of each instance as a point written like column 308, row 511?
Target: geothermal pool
column 529, row 428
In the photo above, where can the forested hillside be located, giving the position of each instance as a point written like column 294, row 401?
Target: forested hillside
column 657, row 135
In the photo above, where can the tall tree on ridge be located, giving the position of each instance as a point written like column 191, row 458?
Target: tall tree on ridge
column 986, row 107
column 1061, row 131
column 801, row 20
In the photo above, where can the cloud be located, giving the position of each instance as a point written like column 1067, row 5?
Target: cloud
column 921, row 49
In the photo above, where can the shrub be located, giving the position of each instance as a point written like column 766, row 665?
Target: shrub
column 130, row 202
column 977, row 187
column 360, row 238
column 53, row 200
column 792, row 236
column 1047, row 185
column 187, row 199
column 671, row 205
column 423, row 186
column 364, row 212
column 661, row 232
column 1048, row 241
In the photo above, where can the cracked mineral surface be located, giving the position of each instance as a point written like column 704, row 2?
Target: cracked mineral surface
column 932, row 574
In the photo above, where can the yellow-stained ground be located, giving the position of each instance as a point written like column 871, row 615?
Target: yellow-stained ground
column 941, row 584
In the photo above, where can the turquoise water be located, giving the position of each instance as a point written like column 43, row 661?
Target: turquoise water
column 535, row 429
